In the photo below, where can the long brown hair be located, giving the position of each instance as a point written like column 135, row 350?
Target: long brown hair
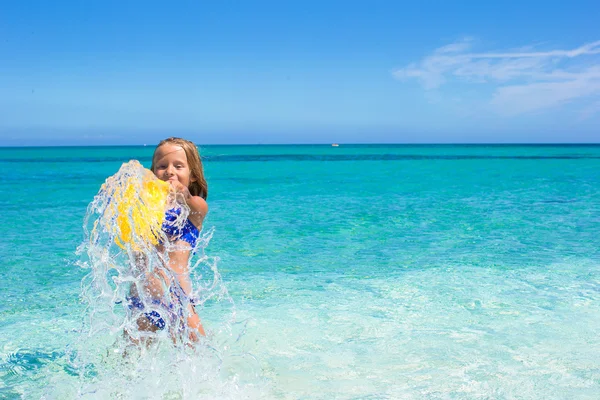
column 198, row 187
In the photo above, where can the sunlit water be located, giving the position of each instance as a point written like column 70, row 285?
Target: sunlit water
column 381, row 272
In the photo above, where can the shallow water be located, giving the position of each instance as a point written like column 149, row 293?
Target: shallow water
column 439, row 272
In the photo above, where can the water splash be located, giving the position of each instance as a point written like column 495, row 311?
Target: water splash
column 123, row 249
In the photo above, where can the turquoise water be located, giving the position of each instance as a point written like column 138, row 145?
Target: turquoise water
column 380, row 272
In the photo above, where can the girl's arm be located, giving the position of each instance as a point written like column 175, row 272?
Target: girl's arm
column 198, row 206
column 198, row 209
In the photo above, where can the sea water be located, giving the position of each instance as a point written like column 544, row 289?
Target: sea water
column 351, row 272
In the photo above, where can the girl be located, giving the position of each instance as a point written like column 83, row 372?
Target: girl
column 177, row 162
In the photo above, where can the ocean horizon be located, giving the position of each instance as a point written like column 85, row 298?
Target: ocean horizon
column 366, row 144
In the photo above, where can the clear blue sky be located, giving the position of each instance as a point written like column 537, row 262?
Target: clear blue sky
column 133, row 72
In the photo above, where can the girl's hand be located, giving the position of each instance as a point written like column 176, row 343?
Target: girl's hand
column 178, row 187
column 197, row 205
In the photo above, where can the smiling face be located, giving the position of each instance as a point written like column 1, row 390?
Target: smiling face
column 170, row 164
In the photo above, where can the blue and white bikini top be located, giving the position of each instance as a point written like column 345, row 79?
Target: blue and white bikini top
column 188, row 232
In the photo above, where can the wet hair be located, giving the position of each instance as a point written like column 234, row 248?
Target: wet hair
column 198, row 187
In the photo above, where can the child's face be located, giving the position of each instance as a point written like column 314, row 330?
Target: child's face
column 170, row 164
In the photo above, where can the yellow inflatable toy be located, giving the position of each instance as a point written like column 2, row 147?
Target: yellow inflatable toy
column 136, row 209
